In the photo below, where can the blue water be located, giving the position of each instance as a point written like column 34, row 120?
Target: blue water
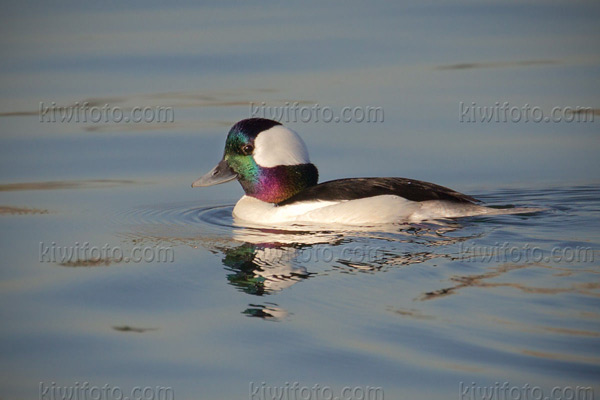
column 423, row 311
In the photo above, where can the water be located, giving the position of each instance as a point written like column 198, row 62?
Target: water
column 437, row 310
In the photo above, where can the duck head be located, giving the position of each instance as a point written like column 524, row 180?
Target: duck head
column 269, row 160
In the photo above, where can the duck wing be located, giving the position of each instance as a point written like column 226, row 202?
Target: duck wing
column 359, row 188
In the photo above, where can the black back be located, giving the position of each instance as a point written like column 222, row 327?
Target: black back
column 359, row 188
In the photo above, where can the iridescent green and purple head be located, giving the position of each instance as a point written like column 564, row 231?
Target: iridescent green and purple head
column 269, row 160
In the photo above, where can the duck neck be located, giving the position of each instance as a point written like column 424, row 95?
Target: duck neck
column 276, row 184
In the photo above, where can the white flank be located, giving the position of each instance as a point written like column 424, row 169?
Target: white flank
column 375, row 210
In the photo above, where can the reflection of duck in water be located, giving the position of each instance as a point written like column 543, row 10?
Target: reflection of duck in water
column 271, row 163
column 269, row 260
column 261, row 269
column 266, row 261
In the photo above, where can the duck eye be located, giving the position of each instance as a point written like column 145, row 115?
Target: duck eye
column 247, row 149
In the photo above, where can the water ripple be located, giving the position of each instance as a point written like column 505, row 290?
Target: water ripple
column 186, row 215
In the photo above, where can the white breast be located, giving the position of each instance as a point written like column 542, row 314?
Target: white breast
column 250, row 209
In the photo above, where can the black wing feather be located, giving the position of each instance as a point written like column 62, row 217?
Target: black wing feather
column 359, row 188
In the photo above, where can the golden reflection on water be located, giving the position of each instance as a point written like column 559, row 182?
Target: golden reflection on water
column 127, row 328
column 480, row 281
column 75, row 184
column 10, row 210
column 497, row 64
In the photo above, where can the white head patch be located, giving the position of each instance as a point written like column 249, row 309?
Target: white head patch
column 279, row 146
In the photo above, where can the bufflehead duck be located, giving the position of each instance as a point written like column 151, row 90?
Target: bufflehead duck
column 271, row 163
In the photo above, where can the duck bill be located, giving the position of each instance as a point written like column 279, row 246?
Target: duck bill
column 220, row 174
